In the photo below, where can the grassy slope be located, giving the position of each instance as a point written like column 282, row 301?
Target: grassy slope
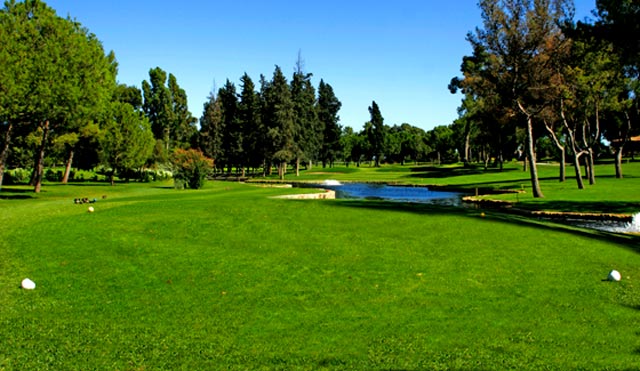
column 227, row 278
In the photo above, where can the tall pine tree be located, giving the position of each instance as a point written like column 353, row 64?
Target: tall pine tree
column 250, row 122
column 279, row 120
column 377, row 132
column 328, row 107
column 308, row 134
column 231, row 129
column 211, row 128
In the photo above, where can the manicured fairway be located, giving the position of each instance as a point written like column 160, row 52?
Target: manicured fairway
column 229, row 278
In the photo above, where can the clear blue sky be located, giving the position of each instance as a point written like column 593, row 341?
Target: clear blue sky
column 402, row 53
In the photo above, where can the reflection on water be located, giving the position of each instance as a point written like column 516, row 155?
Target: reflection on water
column 395, row 193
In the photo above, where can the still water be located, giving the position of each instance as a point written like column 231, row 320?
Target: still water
column 393, row 193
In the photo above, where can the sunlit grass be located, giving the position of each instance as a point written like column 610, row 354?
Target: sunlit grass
column 229, row 278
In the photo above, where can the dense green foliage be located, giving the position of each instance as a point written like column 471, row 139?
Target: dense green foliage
column 56, row 78
column 127, row 140
column 536, row 77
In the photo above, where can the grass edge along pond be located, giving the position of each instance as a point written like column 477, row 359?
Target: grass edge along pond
column 228, row 278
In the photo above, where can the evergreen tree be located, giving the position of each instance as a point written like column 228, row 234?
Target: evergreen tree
column 250, row 122
column 308, row 133
column 127, row 140
column 377, row 133
column 231, row 129
column 279, row 120
column 165, row 105
column 328, row 107
column 56, row 77
column 183, row 128
column 211, row 132
column 128, row 94
column 264, row 144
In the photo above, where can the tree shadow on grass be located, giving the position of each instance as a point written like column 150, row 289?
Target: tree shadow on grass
column 629, row 241
column 78, row 184
column 606, row 207
column 448, row 172
column 14, row 193
column 14, row 197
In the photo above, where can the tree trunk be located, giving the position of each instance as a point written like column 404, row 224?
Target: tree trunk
column 587, row 170
column 620, row 149
column 467, row 149
column 297, row 166
column 38, row 170
column 574, row 146
column 618, row 162
column 591, row 165
column 5, row 152
column 560, row 147
column 576, row 166
column 531, row 154
column 533, row 168
column 67, row 168
column 563, row 165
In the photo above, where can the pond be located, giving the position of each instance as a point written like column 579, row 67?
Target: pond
column 393, row 193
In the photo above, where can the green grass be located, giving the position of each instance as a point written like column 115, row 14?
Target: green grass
column 229, row 278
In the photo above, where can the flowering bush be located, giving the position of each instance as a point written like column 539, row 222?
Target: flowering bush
column 190, row 168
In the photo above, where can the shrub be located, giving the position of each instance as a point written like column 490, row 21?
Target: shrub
column 190, row 168
column 17, row 176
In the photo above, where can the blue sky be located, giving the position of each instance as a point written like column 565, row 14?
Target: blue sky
column 401, row 53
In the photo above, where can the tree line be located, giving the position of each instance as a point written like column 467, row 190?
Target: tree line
column 539, row 82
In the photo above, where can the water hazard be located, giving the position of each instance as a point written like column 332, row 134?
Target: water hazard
column 393, row 193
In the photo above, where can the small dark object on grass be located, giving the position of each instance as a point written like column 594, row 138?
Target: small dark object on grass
column 84, row 200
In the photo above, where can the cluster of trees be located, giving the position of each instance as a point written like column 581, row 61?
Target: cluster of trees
column 285, row 123
column 60, row 103
column 535, row 77
column 59, row 99
column 281, row 123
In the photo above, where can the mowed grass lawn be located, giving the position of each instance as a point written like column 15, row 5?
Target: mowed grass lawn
column 229, row 278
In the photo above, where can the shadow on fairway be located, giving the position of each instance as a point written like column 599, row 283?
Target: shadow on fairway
column 79, row 184
column 11, row 193
column 496, row 186
column 629, row 241
column 448, row 172
column 14, row 197
column 594, row 206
